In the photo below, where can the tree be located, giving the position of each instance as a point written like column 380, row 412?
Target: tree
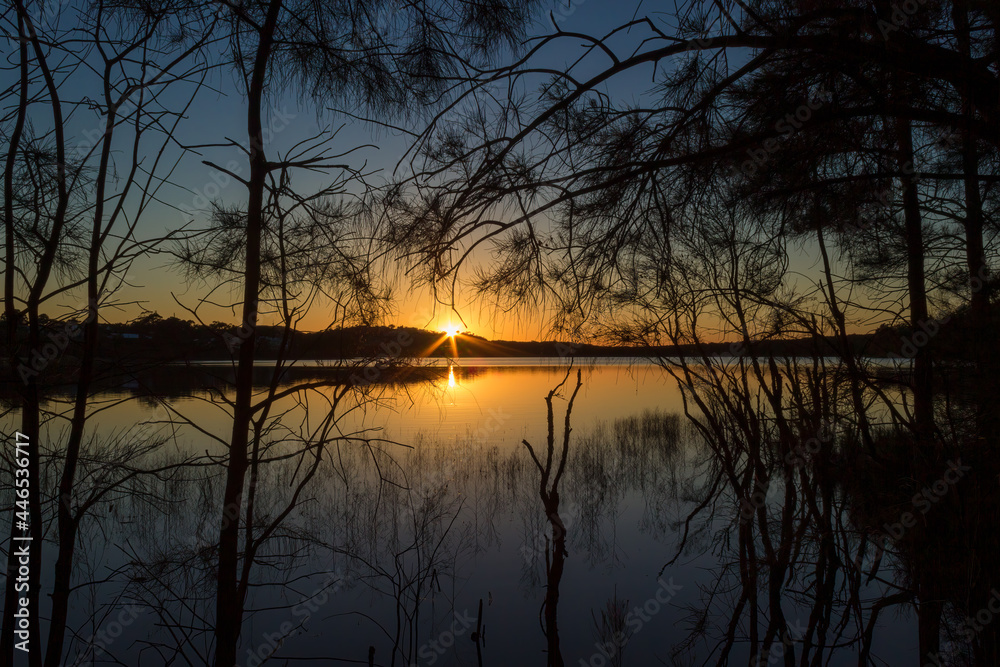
column 373, row 56
column 861, row 95
column 71, row 212
column 669, row 219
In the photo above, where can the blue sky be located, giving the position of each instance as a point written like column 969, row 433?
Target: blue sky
column 219, row 112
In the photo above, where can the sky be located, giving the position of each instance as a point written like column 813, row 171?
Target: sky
column 218, row 113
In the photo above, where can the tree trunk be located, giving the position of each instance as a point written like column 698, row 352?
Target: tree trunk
column 31, row 402
column 67, row 523
column 975, row 253
column 553, row 576
column 923, row 388
column 229, row 602
column 12, row 315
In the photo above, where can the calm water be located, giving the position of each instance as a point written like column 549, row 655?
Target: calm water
column 429, row 505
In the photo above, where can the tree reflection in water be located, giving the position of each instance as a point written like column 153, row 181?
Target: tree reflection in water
column 818, row 550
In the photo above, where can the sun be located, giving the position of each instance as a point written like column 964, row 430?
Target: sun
column 452, row 331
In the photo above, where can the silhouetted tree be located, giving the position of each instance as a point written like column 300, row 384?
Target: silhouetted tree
column 378, row 59
column 71, row 210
